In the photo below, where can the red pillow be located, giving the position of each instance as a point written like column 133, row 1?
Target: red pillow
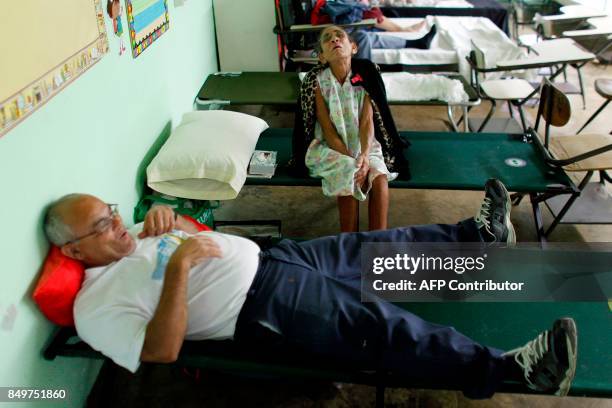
column 60, row 281
column 57, row 287
column 201, row 227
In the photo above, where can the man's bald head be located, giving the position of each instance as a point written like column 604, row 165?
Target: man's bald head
column 58, row 232
column 87, row 229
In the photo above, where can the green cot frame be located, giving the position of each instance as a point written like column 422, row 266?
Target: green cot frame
column 282, row 89
column 469, row 160
column 502, row 325
column 453, row 161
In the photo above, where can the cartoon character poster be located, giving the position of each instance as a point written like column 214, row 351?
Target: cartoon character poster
column 114, row 11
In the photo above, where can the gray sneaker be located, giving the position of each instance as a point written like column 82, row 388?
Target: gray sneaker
column 493, row 217
column 549, row 360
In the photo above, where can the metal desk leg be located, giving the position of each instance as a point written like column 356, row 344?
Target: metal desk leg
column 569, row 203
column 581, row 87
column 522, row 115
column 516, row 198
column 451, row 118
column 594, row 114
column 537, row 217
column 551, row 79
column 488, row 117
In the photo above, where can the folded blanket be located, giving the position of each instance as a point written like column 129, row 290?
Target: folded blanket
column 403, row 86
column 457, row 33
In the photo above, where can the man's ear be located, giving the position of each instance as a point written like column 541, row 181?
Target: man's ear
column 354, row 48
column 71, row 251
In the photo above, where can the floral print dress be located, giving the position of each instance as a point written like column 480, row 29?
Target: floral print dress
column 344, row 103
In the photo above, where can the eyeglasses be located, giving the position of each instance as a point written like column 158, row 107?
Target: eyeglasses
column 102, row 225
column 329, row 35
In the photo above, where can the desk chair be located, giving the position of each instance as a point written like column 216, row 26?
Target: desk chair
column 523, row 12
column 514, row 91
column 584, row 153
column 531, row 43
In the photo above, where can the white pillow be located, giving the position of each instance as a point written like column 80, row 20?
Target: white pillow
column 206, row 156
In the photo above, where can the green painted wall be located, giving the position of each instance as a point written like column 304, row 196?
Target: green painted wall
column 89, row 138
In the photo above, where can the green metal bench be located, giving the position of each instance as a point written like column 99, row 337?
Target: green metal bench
column 442, row 161
column 452, row 161
column 282, row 89
column 502, row 325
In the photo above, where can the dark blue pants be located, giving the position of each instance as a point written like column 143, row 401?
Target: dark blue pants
column 306, row 297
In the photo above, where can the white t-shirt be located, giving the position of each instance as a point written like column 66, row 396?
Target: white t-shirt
column 117, row 301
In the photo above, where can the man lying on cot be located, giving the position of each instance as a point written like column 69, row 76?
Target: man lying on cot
column 148, row 289
column 368, row 39
column 371, row 40
column 348, row 100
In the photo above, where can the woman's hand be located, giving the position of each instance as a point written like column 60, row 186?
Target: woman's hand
column 363, row 167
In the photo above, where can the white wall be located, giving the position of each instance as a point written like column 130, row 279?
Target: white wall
column 90, row 138
column 244, row 35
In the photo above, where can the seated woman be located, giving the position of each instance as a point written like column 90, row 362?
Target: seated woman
column 344, row 151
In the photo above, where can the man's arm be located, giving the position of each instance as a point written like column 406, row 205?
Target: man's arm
column 166, row 330
column 161, row 219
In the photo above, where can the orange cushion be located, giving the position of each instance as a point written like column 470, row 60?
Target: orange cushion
column 201, row 227
column 57, row 287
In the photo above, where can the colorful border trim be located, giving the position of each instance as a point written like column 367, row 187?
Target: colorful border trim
column 19, row 106
column 138, row 48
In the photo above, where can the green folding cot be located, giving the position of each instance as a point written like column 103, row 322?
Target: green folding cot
column 282, row 89
column 438, row 160
column 452, row 161
column 502, row 325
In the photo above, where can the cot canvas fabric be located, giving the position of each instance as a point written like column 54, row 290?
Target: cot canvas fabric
column 344, row 103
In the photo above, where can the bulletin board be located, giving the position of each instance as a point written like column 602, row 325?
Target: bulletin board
column 44, row 46
column 148, row 20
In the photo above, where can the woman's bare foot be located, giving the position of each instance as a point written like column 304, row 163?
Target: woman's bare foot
column 416, row 27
